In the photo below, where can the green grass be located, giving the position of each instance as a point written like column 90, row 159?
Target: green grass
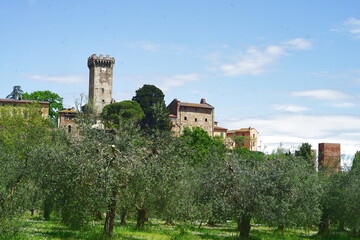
column 37, row 229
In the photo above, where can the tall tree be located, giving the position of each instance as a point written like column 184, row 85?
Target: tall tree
column 56, row 102
column 16, row 93
column 306, row 153
column 151, row 100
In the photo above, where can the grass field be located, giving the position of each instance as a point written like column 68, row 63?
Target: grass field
column 37, row 229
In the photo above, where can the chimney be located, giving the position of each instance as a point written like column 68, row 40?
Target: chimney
column 203, row 101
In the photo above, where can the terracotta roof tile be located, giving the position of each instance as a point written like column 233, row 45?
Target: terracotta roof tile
column 197, row 105
column 219, row 128
column 68, row 111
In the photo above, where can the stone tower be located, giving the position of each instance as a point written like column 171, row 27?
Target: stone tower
column 100, row 81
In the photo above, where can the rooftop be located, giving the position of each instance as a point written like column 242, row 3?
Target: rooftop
column 16, row 101
column 196, row 105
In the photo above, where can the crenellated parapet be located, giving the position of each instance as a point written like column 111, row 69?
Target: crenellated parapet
column 101, row 61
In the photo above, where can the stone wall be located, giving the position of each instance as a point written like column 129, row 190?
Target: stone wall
column 196, row 117
column 100, row 81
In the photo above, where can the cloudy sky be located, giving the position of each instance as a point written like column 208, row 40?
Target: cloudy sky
column 291, row 69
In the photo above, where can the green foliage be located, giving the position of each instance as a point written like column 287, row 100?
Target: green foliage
column 201, row 144
column 306, row 153
column 114, row 113
column 16, row 93
column 151, row 100
column 22, row 130
column 56, row 102
column 239, row 141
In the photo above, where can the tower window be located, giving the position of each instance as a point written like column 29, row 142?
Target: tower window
column 103, row 101
column 195, row 119
column 205, row 119
column 102, row 90
column 185, row 118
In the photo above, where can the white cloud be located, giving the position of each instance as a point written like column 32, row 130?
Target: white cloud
column 343, row 105
column 299, row 43
column 58, row 79
column 322, row 94
column 353, row 26
column 148, row 46
column 289, row 108
column 256, row 60
column 293, row 129
column 167, row 83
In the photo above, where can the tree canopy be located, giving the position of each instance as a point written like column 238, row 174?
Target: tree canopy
column 56, row 102
column 151, row 100
column 122, row 111
column 16, row 93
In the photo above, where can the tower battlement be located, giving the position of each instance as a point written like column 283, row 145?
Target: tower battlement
column 101, row 61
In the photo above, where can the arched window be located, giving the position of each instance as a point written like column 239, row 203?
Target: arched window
column 69, row 128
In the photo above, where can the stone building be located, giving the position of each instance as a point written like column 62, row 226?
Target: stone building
column 219, row 131
column 100, row 81
column 44, row 106
column 248, row 138
column 329, row 157
column 183, row 114
column 66, row 120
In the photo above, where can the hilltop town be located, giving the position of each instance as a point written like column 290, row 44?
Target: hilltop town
column 181, row 114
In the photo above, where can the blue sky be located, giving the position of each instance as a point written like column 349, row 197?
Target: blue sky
column 291, row 69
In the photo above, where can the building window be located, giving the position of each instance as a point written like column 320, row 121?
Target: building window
column 195, row 119
column 196, row 109
column 103, row 101
column 69, row 129
column 253, row 135
column 102, row 90
column 185, row 118
column 242, row 134
column 205, row 119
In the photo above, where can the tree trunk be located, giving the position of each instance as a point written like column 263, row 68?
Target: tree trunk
column 110, row 215
column 238, row 221
column 324, row 225
column 123, row 214
column 47, row 208
column 141, row 217
column 245, row 226
column 210, row 223
column 169, row 222
column 281, row 228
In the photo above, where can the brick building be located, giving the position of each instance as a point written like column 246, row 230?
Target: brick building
column 248, row 138
column 66, row 119
column 329, row 157
column 183, row 114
